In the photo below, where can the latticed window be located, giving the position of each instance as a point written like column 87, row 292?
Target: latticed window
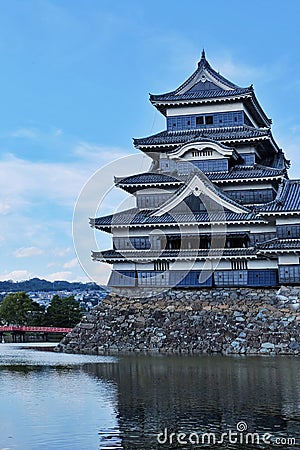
column 161, row 265
column 288, row 231
column 261, row 237
column 224, row 119
column 289, row 274
column 151, row 200
column 230, row 278
column 239, row 265
column 253, row 196
column 201, row 153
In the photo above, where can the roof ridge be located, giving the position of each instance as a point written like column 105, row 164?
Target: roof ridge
column 279, row 199
column 179, row 137
column 203, row 64
column 294, row 181
column 261, row 166
column 177, row 96
column 171, row 178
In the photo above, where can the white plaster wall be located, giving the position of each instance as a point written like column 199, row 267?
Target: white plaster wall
column 203, row 109
column 245, row 186
column 145, row 266
column 287, row 220
column 263, row 229
column 262, row 264
column 288, row 259
column 248, row 149
column 124, row 266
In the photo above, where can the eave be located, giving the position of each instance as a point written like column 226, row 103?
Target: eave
column 163, row 105
column 279, row 251
column 249, row 99
column 205, row 133
column 245, row 180
column 145, row 256
column 279, row 213
column 149, row 226
column 131, row 188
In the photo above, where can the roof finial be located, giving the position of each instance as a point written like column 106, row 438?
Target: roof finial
column 203, row 54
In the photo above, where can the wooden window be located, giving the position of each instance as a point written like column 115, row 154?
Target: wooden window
column 199, row 120
column 284, row 231
column 239, row 265
column 161, row 265
column 209, row 120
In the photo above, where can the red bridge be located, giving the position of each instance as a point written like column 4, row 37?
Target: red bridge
column 35, row 329
column 19, row 331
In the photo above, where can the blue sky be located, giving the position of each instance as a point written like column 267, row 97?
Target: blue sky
column 74, row 82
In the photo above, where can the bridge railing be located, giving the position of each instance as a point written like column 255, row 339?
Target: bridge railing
column 34, row 329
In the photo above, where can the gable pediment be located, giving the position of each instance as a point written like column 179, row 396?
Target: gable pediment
column 200, row 187
column 204, row 79
column 203, row 149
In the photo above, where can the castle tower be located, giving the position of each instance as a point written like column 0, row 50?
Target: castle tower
column 217, row 207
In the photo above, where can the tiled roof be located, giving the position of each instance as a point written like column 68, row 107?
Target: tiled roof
column 218, row 134
column 277, row 161
column 148, row 178
column 235, row 173
column 288, row 198
column 176, row 254
column 194, row 87
column 201, row 94
column 137, row 217
column 207, row 85
column 240, row 172
column 280, row 244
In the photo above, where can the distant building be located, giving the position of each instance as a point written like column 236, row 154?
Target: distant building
column 217, row 207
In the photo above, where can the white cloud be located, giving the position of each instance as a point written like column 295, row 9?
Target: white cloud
column 16, row 275
column 4, row 208
column 25, row 252
column 57, row 132
column 67, row 275
column 51, row 264
column 236, row 72
column 243, row 74
column 24, row 182
column 28, row 133
column 61, row 251
column 93, row 152
column 70, row 264
column 38, row 198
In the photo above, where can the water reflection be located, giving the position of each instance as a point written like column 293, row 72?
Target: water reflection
column 50, row 402
column 55, row 401
column 206, row 394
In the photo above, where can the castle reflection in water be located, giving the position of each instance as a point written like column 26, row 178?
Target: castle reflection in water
column 201, row 394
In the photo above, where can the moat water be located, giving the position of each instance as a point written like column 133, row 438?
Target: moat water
column 53, row 401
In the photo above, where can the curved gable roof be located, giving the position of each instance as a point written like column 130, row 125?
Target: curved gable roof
column 205, row 78
column 207, row 85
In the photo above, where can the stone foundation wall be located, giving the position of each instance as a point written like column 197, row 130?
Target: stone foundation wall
column 226, row 321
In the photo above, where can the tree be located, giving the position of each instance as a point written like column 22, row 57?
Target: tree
column 63, row 312
column 19, row 309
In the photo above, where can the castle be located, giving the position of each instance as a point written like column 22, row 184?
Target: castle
column 216, row 207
